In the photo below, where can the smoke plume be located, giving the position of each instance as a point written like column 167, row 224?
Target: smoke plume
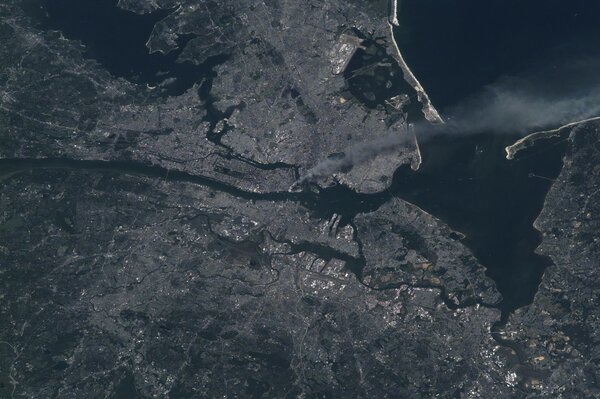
column 512, row 106
column 357, row 154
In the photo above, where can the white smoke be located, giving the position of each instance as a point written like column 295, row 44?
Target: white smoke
column 509, row 106
column 357, row 154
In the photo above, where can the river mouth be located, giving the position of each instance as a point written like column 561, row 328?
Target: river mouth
column 467, row 182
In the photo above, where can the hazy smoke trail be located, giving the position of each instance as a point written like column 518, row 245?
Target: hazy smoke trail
column 357, row 154
column 506, row 107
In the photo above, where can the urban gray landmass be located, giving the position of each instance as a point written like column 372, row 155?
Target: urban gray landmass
column 150, row 245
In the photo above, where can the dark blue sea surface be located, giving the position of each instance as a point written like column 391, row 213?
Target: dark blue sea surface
column 458, row 49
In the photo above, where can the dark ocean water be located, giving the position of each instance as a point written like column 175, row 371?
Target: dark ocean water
column 455, row 48
column 467, row 182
